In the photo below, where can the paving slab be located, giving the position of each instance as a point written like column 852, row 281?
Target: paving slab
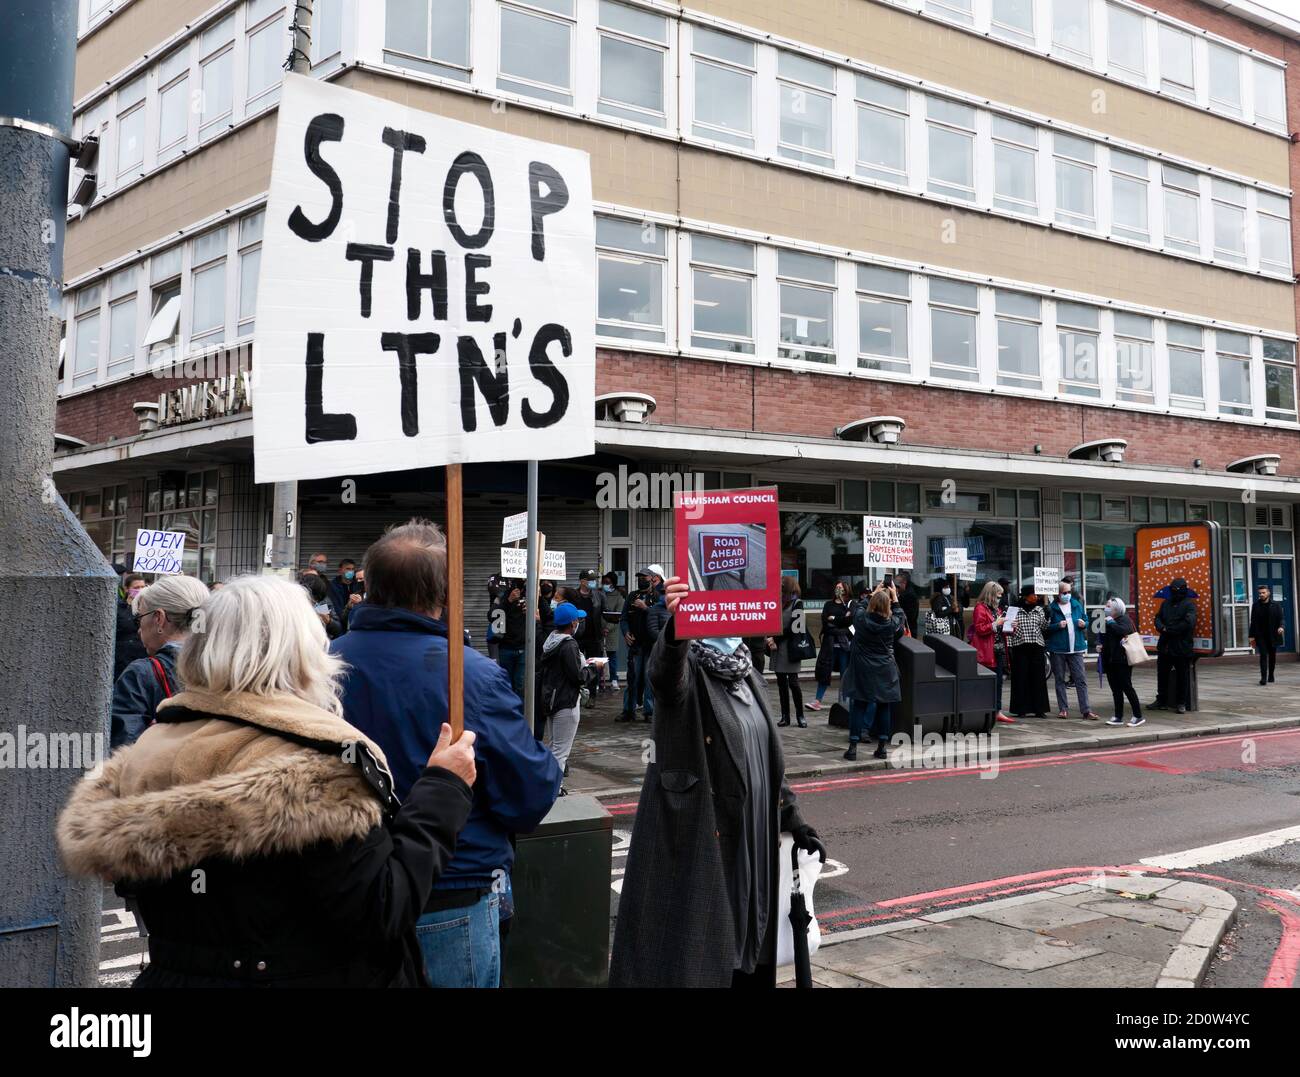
column 1007, row 947
column 1038, row 915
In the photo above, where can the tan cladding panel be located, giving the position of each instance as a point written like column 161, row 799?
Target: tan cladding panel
column 225, row 173
column 139, row 29
column 877, row 33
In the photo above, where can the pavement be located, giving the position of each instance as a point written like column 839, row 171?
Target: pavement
column 1113, row 931
column 609, row 757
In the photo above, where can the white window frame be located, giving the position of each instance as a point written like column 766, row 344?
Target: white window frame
column 1004, row 201
column 945, row 371
column 1066, row 325
column 645, row 256
column 425, row 61
column 1114, row 66
column 886, row 364
column 1286, row 415
column 1177, row 191
column 1064, row 157
column 748, row 344
column 1175, row 87
column 1069, row 50
column 1133, row 340
column 808, row 284
column 942, row 187
column 1234, row 409
column 726, row 135
column 624, row 110
column 545, row 91
column 882, row 173
column 1011, row 380
column 789, row 150
column 271, row 94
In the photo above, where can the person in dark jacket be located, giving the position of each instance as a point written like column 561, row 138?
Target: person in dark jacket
column 1114, row 661
column 319, row 592
column 395, row 692
column 127, row 646
column 249, row 826
column 166, row 613
column 1266, row 631
column 698, row 907
column 833, row 654
column 508, row 612
column 341, row 587
column 591, row 600
column 563, row 676
column 910, row 600
column 644, row 614
column 871, row 680
column 784, row 665
column 1175, row 620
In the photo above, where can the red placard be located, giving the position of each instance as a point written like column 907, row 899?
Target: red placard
column 728, row 549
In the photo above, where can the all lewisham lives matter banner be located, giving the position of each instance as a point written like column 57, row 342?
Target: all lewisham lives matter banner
column 427, row 293
column 887, row 542
column 728, row 548
column 1163, row 553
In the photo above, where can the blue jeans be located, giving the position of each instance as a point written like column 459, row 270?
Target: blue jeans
column 511, row 659
column 462, row 947
column 867, row 717
column 638, row 693
column 839, row 663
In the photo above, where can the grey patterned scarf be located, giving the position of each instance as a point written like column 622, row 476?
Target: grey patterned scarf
column 732, row 669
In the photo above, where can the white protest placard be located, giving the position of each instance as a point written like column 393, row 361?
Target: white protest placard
column 1046, row 580
column 426, row 295
column 159, row 551
column 515, row 528
column 514, row 563
column 552, row 565
column 887, row 542
column 968, row 571
column 954, row 557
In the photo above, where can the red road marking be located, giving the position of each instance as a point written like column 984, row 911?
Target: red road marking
column 1286, row 959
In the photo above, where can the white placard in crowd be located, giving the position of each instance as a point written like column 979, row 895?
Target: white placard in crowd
column 968, row 571
column 954, row 557
column 887, row 542
column 1046, row 580
column 515, row 528
column 160, row 552
column 514, row 563
column 426, row 295
column 552, row 566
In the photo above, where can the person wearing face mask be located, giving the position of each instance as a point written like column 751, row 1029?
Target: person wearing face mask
column 939, row 617
column 341, row 586
column 1119, row 674
column 909, row 600
column 1175, row 620
column 612, row 606
column 636, row 635
column 1026, row 648
column 871, row 680
column 319, row 564
column 990, row 651
column 1067, row 642
column 700, row 895
column 833, row 654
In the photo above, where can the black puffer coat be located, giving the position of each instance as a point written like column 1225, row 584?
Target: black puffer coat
column 872, row 673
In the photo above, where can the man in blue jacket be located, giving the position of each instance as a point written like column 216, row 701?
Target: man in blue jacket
column 1066, row 636
column 395, row 691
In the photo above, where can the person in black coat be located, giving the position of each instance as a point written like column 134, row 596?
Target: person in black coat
column 256, row 829
column 833, row 654
column 871, row 680
column 127, row 646
column 909, row 598
column 1175, row 620
column 1266, row 631
column 1114, row 660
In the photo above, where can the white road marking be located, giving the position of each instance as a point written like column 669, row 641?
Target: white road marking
column 1225, row 850
column 130, row 960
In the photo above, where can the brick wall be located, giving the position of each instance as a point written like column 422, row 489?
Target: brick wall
column 103, row 415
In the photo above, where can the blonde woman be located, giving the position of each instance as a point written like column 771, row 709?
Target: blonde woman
column 255, row 829
column 986, row 626
column 164, row 613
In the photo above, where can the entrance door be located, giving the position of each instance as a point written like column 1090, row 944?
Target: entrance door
column 1277, row 575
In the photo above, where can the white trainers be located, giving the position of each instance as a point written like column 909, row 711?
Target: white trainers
column 1114, row 719
column 1136, row 721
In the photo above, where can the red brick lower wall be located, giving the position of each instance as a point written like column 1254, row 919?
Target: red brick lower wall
column 105, row 414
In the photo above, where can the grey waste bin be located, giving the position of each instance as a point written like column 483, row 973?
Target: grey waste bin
column 560, row 933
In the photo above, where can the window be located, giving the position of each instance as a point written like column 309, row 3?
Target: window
column 1279, row 380
column 187, row 503
column 1225, row 79
column 1229, row 221
column 952, row 148
column 1274, row 217
column 883, row 303
column 632, row 50
column 631, row 268
column 722, row 275
column 1186, row 366
column 536, row 50
column 121, row 322
column 102, row 513
column 1126, row 45
column 85, row 361
column 1234, row 373
column 1075, row 181
column 1182, row 209
column 433, row 36
column 806, row 113
column 959, row 11
column 208, row 279
column 217, row 67
column 807, row 311
column 1177, row 75
column 327, row 29
column 1014, row 19
column 1015, row 164
column 954, row 319
column 1017, row 317
column 1134, row 372
column 266, row 50
column 1270, row 94
column 1078, row 339
column 1129, row 185
column 163, row 333
column 882, row 130
column 1072, row 26
column 173, row 103
column 724, row 87
column 130, row 128
column 250, row 266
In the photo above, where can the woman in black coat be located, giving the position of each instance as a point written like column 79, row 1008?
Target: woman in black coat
column 871, row 680
column 255, row 828
column 833, row 655
column 699, row 904
column 1119, row 674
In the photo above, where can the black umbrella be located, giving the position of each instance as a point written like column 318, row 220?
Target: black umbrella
column 800, row 918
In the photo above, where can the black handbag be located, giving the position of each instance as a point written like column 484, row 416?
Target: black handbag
column 799, row 647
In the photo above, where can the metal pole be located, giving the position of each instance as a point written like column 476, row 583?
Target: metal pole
column 284, row 507
column 56, row 589
column 530, row 597
column 455, row 601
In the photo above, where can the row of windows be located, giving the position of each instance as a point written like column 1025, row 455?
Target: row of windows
column 189, row 297
column 702, row 292
column 1133, row 45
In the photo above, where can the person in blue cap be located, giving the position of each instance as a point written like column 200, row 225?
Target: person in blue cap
column 564, row 679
